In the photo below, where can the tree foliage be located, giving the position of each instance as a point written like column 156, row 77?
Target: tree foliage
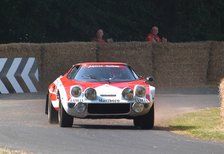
column 130, row 20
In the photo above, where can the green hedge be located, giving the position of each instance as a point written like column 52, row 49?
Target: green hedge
column 78, row 20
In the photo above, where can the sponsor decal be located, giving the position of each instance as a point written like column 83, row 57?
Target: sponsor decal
column 141, row 100
column 109, row 100
column 90, row 66
column 76, row 100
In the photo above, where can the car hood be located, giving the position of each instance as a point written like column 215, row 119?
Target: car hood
column 121, row 85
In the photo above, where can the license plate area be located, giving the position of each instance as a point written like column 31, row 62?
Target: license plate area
column 109, row 108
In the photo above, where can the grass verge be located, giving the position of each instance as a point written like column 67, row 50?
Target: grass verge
column 204, row 124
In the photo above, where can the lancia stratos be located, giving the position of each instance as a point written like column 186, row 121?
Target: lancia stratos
column 101, row 90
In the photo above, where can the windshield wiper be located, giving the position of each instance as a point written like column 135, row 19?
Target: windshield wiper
column 91, row 77
column 97, row 79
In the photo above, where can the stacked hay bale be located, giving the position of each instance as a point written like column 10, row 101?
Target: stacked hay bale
column 14, row 50
column 181, row 64
column 172, row 64
column 221, row 93
column 136, row 54
column 216, row 63
column 57, row 58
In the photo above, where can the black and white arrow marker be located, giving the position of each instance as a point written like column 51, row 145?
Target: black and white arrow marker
column 18, row 75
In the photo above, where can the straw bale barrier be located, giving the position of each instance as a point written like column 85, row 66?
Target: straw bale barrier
column 221, row 93
column 179, row 64
column 136, row 54
column 216, row 63
column 172, row 64
column 59, row 57
column 14, row 50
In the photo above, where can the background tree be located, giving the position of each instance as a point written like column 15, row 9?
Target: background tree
column 78, row 20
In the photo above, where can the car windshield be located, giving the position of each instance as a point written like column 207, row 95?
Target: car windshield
column 104, row 73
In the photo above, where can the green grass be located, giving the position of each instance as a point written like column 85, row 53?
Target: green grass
column 204, row 124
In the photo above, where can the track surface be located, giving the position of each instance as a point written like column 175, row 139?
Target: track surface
column 24, row 126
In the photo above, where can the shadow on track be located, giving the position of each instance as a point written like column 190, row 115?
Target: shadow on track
column 117, row 127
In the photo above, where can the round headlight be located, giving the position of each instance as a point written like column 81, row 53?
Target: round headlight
column 140, row 91
column 138, row 107
column 90, row 94
column 76, row 91
column 127, row 94
column 80, row 107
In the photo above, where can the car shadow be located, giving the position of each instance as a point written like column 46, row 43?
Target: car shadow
column 131, row 127
column 116, row 127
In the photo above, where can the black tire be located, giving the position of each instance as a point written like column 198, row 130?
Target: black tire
column 52, row 113
column 46, row 104
column 146, row 121
column 136, row 122
column 64, row 119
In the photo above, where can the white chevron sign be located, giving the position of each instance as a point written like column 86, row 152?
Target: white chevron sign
column 18, row 75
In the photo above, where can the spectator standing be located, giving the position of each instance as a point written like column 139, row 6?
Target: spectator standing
column 153, row 36
column 99, row 37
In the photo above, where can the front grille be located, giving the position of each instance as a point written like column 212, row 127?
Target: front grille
column 118, row 108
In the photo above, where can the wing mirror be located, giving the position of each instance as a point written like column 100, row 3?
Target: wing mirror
column 149, row 79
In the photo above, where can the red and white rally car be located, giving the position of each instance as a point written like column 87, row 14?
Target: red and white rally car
column 101, row 90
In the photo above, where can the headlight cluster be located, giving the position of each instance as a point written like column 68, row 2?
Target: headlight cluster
column 140, row 91
column 76, row 91
column 90, row 94
column 127, row 94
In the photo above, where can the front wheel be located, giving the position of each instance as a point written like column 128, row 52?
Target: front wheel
column 64, row 119
column 145, row 121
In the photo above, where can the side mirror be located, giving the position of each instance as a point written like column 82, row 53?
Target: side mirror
column 149, row 79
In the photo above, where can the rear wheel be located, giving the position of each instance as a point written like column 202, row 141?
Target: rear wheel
column 64, row 119
column 145, row 121
column 52, row 113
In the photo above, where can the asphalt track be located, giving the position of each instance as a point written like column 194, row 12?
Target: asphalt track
column 23, row 126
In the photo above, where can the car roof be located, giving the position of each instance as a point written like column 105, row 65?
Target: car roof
column 101, row 63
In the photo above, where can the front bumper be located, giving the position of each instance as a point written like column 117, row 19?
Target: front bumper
column 108, row 110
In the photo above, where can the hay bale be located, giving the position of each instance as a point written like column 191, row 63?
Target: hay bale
column 181, row 64
column 216, row 63
column 221, row 94
column 172, row 64
column 24, row 50
column 59, row 57
column 13, row 50
column 136, row 54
